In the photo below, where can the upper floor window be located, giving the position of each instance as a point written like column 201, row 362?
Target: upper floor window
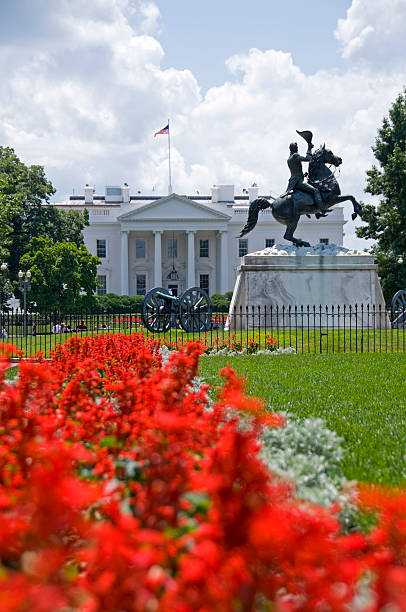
column 140, row 249
column 172, row 248
column 269, row 242
column 242, row 247
column 204, row 248
column 101, row 248
column 324, row 241
column 101, row 284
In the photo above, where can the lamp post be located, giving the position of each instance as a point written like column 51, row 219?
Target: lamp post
column 3, row 278
column 25, row 285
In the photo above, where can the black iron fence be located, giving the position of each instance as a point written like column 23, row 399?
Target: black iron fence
column 307, row 329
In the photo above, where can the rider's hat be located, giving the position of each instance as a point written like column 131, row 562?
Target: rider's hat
column 307, row 135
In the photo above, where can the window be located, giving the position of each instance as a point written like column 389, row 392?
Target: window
column 269, row 242
column 101, row 248
column 173, row 289
column 141, row 284
column 102, row 284
column 172, row 248
column 204, row 282
column 324, row 240
column 140, row 249
column 204, row 248
column 242, row 247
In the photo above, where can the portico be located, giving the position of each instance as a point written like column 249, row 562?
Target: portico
column 176, row 243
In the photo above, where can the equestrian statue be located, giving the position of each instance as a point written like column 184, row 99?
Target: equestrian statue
column 316, row 196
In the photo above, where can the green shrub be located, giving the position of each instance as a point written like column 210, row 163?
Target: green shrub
column 113, row 303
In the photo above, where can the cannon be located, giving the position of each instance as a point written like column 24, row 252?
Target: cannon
column 192, row 310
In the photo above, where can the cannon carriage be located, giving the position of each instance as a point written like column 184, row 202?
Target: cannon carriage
column 398, row 308
column 192, row 310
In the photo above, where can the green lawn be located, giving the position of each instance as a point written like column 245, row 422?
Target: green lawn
column 308, row 341
column 361, row 396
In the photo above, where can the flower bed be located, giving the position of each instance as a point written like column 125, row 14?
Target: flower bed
column 122, row 489
column 135, row 319
column 230, row 345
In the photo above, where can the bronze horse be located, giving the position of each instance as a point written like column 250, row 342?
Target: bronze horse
column 287, row 209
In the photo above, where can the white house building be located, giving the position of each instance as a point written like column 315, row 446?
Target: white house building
column 180, row 241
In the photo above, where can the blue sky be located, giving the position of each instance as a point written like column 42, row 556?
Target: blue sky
column 200, row 36
column 85, row 85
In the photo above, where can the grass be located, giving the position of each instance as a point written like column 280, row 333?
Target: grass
column 31, row 345
column 360, row 396
column 309, row 341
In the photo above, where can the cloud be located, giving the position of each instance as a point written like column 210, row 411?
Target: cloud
column 373, row 31
column 150, row 17
column 84, row 92
column 83, row 102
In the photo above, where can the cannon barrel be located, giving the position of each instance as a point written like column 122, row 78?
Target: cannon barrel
column 166, row 296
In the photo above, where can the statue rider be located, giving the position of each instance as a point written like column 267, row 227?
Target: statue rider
column 296, row 180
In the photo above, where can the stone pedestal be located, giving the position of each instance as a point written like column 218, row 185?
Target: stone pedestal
column 307, row 286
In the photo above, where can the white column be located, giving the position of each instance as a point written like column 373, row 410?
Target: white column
column 191, row 282
column 158, row 258
column 124, row 262
column 224, row 261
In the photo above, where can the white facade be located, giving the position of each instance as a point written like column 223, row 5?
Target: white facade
column 181, row 241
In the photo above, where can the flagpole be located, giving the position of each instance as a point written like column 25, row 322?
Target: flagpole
column 169, row 159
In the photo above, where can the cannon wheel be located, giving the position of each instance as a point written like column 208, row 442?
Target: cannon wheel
column 399, row 309
column 194, row 310
column 156, row 311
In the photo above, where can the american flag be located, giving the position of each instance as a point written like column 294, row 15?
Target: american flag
column 164, row 130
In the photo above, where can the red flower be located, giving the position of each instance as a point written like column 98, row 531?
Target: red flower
column 122, row 489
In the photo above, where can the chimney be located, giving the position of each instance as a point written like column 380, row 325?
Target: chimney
column 225, row 194
column 214, row 194
column 252, row 192
column 89, row 191
column 125, row 190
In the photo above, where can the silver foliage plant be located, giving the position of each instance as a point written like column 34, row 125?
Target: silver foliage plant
column 308, row 453
column 165, row 352
column 230, row 353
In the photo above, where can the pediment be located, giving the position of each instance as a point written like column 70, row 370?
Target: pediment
column 174, row 207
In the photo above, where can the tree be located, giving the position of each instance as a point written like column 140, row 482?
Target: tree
column 220, row 302
column 63, row 275
column 386, row 223
column 25, row 212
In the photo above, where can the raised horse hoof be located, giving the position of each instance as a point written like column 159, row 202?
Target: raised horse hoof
column 354, row 216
